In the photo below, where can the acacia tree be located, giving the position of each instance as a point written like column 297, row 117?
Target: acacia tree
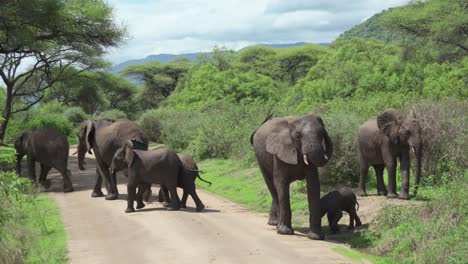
column 433, row 24
column 41, row 39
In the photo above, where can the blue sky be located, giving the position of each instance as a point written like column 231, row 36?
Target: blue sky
column 182, row 26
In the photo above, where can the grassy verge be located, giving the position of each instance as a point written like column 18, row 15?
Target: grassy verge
column 43, row 219
column 31, row 230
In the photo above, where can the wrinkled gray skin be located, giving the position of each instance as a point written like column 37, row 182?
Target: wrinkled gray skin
column 190, row 175
column 158, row 166
column 288, row 149
column 333, row 203
column 384, row 139
column 104, row 137
column 49, row 147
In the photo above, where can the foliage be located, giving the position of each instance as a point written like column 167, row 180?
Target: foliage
column 113, row 114
column 372, row 28
column 76, row 115
column 94, row 92
column 440, row 25
column 151, row 125
column 44, row 39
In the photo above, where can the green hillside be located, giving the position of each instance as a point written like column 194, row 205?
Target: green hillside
column 372, row 28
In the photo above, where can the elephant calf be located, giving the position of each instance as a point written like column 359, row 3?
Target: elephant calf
column 333, row 203
column 49, row 147
column 190, row 175
column 158, row 166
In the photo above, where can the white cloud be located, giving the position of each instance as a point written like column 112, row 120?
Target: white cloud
column 180, row 26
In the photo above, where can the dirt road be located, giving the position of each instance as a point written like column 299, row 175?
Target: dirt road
column 100, row 232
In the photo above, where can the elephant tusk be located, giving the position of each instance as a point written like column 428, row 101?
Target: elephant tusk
column 305, row 160
column 74, row 153
column 325, row 156
column 413, row 150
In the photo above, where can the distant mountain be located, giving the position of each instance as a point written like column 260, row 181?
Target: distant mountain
column 371, row 28
column 191, row 56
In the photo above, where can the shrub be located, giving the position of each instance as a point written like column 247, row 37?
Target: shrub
column 435, row 232
column 50, row 120
column 113, row 114
column 76, row 115
column 149, row 122
column 444, row 132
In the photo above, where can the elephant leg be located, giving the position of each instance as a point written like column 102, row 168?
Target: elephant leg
column 364, row 171
column 131, row 190
column 175, row 201
column 313, row 197
column 405, row 165
column 147, row 194
column 43, row 176
column 183, row 202
column 351, row 219
column 357, row 220
column 273, row 219
column 196, row 199
column 379, row 170
column 282, row 188
column 112, row 186
column 32, row 168
column 391, row 168
column 165, row 196
column 142, row 188
column 97, row 192
column 333, row 219
column 161, row 195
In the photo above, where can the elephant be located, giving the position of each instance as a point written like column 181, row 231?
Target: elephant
column 288, row 149
column 381, row 141
column 191, row 174
column 145, row 167
column 105, row 136
column 49, row 147
column 333, row 203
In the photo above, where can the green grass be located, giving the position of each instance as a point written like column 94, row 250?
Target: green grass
column 43, row 218
column 361, row 257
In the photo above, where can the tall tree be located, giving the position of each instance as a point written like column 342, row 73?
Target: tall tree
column 160, row 79
column 440, row 25
column 41, row 39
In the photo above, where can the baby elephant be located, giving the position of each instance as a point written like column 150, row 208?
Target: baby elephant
column 191, row 175
column 333, row 203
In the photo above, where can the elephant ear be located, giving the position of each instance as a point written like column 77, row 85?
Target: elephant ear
column 389, row 123
column 281, row 144
column 88, row 128
column 129, row 153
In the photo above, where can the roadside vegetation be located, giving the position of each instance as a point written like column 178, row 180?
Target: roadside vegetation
column 31, row 230
column 409, row 58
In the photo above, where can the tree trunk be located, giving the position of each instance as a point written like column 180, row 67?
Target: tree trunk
column 6, row 112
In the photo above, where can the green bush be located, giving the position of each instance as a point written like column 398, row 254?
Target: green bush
column 49, row 120
column 113, row 114
column 76, row 115
column 149, row 122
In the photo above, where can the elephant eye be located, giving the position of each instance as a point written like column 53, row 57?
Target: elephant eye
column 298, row 135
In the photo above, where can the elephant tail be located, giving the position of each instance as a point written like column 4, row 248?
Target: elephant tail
column 357, row 209
column 269, row 115
column 203, row 180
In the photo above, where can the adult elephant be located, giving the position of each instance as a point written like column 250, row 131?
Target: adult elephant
column 382, row 140
column 288, row 149
column 49, row 147
column 105, row 137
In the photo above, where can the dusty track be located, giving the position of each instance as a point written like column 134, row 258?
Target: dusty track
column 100, row 232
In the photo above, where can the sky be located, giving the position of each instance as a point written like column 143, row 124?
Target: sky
column 185, row 26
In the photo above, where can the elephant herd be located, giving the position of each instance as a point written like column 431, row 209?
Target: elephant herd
column 287, row 149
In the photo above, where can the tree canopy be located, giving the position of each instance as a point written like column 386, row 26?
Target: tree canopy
column 41, row 39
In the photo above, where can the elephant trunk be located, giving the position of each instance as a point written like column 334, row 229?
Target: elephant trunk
column 328, row 146
column 418, row 169
column 81, row 157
